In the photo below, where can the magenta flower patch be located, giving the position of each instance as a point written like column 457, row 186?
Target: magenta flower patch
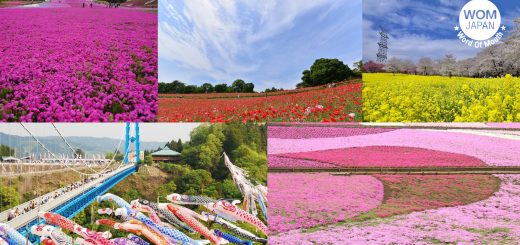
column 69, row 63
column 307, row 200
column 306, row 132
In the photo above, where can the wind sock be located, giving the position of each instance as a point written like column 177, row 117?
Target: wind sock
column 55, row 234
column 135, row 205
column 81, row 241
column 12, row 236
column 249, row 191
column 189, row 219
column 232, row 213
column 173, row 234
column 163, row 206
column 233, row 228
column 58, row 220
column 3, row 236
column 232, row 238
column 107, row 211
column 189, row 200
column 123, row 241
column 47, row 241
column 136, row 227
column 113, row 198
column 137, row 240
column 168, row 231
column 166, row 214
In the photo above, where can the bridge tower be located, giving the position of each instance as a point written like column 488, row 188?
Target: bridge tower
column 132, row 139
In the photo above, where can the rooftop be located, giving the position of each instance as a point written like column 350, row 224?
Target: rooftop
column 166, row 152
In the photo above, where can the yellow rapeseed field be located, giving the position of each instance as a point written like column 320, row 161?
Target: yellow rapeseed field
column 411, row 98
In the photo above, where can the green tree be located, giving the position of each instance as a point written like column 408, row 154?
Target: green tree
column 148, row 159
column 9, row 197
column 6, row 151
column 79, row 153
column 221, row 88
column 325, row 71
column 249, row 88
column 179, row 146
column 358, row 69
column 118, row 156
column 195, row 181
column 190, row 89
column 167, row 189
column 253, row 161
column 207, row 88
column 173, row 87
column 229, row 189
column 238, row 85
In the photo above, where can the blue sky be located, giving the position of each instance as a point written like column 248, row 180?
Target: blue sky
column 268, row 42
column 148, row 131
column 422, row 28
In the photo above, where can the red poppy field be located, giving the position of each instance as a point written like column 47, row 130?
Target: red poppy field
column 341, row 103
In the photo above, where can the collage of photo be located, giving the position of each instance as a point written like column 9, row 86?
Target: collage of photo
column 139, row 122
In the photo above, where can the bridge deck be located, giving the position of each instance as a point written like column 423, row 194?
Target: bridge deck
column 404, row 170
column 30, row 216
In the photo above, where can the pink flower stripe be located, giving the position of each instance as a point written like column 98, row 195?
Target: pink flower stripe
column 306, row 200
column 378, row 156
column 491, row 150
column 504, row 125
column 319, row 132
column 277, row 162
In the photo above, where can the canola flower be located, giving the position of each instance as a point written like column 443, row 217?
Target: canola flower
column 412, row 98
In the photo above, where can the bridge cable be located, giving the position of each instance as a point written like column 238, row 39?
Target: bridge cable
column 66, row 163
column 76, row 156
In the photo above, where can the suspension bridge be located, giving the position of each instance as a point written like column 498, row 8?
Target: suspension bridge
column 73, row 198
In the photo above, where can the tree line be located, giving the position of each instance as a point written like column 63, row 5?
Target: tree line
column 178, row 87
column 494, row 61
column 323, row 71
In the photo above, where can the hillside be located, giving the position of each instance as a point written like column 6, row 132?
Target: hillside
column 90, row 145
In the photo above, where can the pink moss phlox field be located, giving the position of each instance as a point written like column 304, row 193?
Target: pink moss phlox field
column 278, row 162
column 299, row 200
column 495, row 151
column 382, row 156
column 319, row 132
column 78, row 64
column 495, row 220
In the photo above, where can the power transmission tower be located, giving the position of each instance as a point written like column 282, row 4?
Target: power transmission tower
column 383, row 47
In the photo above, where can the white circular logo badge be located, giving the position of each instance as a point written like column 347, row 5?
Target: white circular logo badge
column 480, row 19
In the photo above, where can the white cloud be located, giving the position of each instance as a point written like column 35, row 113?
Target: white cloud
column 413, row 47
column 213, row 37
column 430, row 19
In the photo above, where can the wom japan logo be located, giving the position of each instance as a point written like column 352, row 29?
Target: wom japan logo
column 479, row 24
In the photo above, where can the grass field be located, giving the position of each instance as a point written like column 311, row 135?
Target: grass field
column 412, row 98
